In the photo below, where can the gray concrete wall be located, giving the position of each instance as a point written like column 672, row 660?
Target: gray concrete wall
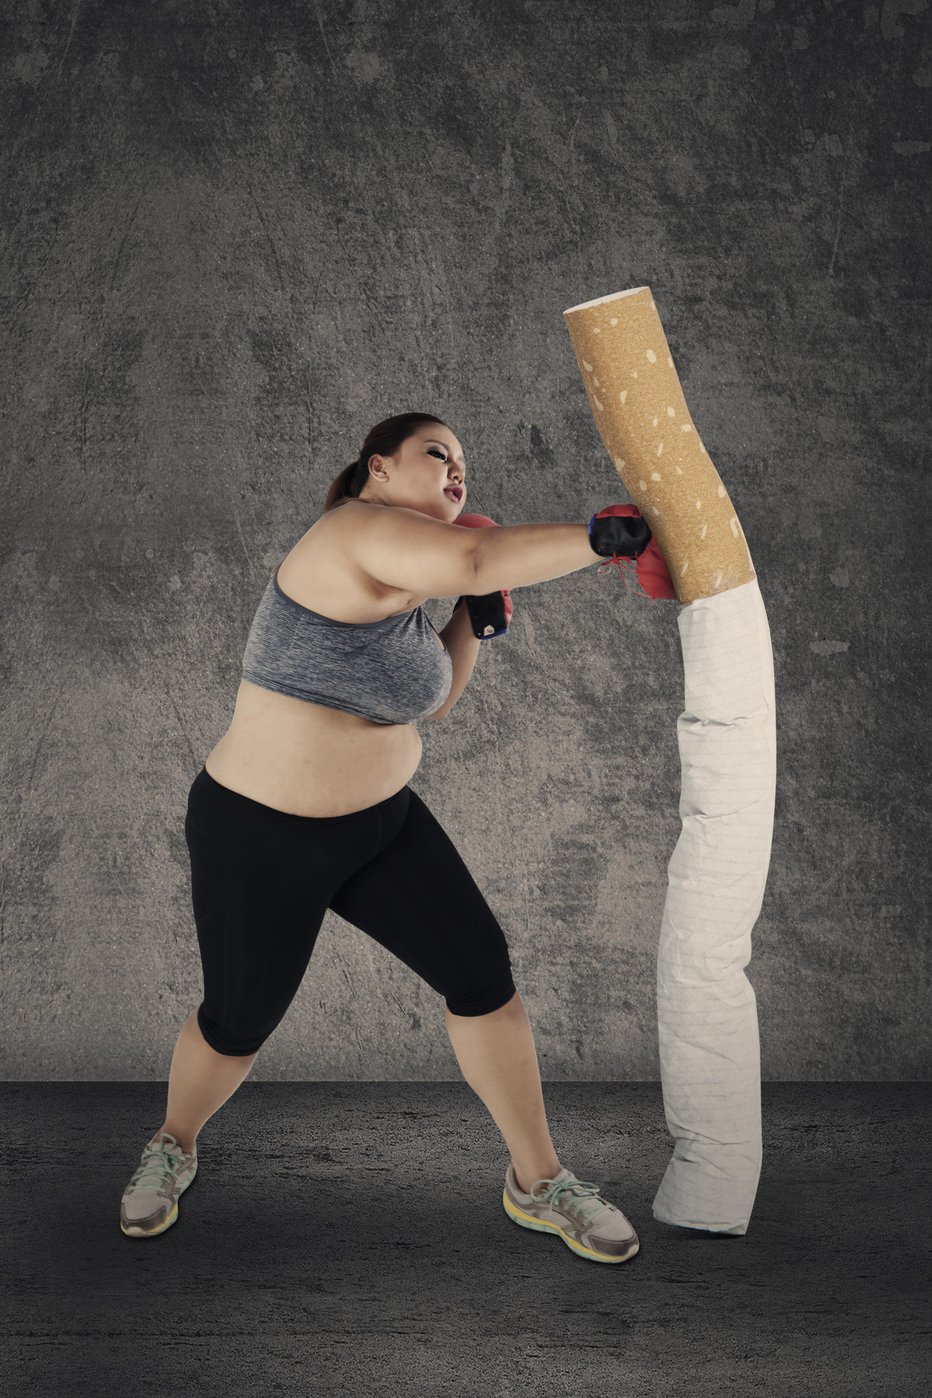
column 236, row 236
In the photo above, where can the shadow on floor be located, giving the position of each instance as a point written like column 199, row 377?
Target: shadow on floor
column 349, row 1239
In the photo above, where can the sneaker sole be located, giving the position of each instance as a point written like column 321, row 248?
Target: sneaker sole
column 526, row 1221
column 135, row 1231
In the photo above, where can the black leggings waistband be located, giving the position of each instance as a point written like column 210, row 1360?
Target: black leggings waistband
column 236, row 800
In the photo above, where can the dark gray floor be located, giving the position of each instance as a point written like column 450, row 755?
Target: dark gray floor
column 345, row 1238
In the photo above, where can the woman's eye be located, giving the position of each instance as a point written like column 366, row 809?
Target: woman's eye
column 434, row 451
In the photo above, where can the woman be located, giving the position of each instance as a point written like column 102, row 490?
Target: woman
column 304, row 805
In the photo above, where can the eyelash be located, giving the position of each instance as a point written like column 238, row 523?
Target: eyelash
column 436, row 449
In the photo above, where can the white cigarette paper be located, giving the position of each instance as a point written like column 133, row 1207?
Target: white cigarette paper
column 706, row 1007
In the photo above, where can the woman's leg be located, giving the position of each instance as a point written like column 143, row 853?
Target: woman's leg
column 498, row 1059
column 260, row 884
column 199, row 1083
column 419, row 900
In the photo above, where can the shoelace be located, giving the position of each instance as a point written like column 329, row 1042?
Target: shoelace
column 648, row 571
column 159, row 1163
column 582, row 1191
column 620, row 560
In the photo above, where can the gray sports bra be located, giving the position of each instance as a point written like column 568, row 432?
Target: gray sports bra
column 389, row 671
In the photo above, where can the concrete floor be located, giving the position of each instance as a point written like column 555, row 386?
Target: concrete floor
column 348, row 1239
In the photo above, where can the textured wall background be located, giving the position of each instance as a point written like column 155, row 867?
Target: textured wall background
column 236, row 236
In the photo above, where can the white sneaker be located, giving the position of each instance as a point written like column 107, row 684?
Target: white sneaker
column 574, row 1210
column 150, row 1200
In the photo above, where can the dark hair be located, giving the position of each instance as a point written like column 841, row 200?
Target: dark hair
column 385, row 438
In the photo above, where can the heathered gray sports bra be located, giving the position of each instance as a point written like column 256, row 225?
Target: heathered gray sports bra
column 390, row 671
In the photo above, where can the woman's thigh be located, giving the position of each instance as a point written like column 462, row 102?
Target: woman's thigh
column 419, row 900
column 261, row 882
column 255, row 932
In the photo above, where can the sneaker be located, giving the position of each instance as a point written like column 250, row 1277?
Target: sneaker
column 150, row 1200
column 574, row 1210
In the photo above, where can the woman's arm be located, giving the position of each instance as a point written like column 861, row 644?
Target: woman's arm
column 520, row 555
column 463, row 646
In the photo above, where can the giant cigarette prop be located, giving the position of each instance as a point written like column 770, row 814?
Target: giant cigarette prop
column 706, row 1009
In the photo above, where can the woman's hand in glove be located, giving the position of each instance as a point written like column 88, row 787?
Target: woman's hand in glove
column 618, row 532
column 490, row 615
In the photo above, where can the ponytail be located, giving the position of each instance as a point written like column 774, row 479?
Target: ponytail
column 346, row 486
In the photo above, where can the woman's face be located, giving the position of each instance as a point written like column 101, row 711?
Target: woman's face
column 425, row 465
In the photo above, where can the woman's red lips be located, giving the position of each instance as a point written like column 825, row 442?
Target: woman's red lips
column 454, row 490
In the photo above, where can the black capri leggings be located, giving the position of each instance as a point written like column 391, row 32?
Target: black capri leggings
column 262, row 879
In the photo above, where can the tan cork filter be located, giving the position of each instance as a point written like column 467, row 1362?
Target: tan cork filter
column 638, row 405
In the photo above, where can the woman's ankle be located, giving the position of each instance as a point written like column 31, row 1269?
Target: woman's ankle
column 526, row 1180
column 185, row 1141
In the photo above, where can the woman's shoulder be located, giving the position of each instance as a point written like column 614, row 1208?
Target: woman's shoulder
column 326, row 570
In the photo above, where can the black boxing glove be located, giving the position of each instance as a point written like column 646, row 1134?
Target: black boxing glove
column 618, row 531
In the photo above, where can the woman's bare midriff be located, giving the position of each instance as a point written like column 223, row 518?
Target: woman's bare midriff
column 308, row 759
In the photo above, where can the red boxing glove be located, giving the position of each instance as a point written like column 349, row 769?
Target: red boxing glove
column 652, row 572
column 487, row 612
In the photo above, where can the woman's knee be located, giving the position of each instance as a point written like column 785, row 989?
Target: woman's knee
column 483, row 999
column 234, row 1041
